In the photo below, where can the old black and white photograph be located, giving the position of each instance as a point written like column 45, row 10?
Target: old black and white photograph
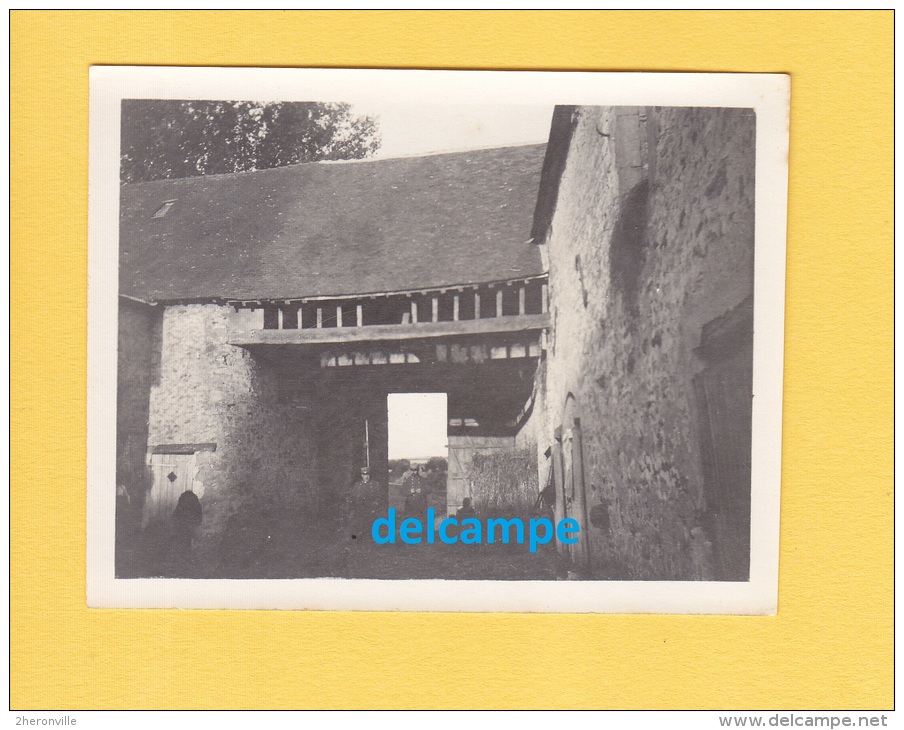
column 423, row 340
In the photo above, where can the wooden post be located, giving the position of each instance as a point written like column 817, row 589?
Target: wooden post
column 499, row 293
column 521, row 300
column 455, row 304
column 476, row 304
column 298, row 315
column 582, row 547
column 560, row 511
column 319, row 317
column 544, row 294
column 435, row 309
column 279, row 318
column 360, row 317
column 338, row 315
column 413, row 312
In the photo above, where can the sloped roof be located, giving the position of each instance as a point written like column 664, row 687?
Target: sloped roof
column 323, row 229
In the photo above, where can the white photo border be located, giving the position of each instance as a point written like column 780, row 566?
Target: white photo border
column 767, row 94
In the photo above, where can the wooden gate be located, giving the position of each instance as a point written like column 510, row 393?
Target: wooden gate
column 461, row 455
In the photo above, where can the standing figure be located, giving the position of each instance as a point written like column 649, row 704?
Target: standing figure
column 367, row 502
column 466, row 510
column 186, row 517
column 416, row 501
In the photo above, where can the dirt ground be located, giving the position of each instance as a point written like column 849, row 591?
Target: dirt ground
column 286, row 546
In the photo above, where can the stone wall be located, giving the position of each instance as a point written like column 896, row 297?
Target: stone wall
column 652, row 237
column 139, row 332
column 254, row 417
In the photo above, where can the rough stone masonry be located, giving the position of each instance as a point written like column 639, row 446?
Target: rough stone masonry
column 652, row 238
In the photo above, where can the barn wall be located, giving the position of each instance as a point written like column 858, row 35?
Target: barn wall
column 652, row 238
column 257, row 414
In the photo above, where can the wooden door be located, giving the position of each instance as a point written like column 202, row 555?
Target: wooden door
column 173, row 474
column 724, row 391
column 573, row 483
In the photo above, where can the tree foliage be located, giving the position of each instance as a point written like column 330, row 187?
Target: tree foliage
column 397, row 467
column 164, row 138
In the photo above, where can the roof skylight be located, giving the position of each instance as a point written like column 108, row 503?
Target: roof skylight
column 164, row 209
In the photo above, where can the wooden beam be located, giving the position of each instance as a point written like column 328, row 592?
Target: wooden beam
column 300, row 318
column 319, row 317
column 521, row 299
column 360, row 315
column 455, row 304
column 476, row 304
column 338, row 315
column 413, row 312
column 392, row 332
column 435, row 303
column 279, row 318
column 544, row 296
column 499, row 293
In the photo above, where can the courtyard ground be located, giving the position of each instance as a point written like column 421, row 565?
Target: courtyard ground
column 285, row 546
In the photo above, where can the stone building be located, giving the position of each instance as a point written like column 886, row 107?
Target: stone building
column 265, row 316
column 590, row 299
column 648, row 218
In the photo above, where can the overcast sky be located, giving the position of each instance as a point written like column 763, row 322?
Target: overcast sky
column 417, row 425
column 413, row 130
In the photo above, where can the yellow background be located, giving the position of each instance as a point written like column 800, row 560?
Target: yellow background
column 830, row 646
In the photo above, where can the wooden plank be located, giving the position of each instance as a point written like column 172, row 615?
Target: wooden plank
column 455, row 305
column 393, row 332
column 476, row 304
column 544, row 294
column 499, row 293
column 298, row 314
column 279, row 318
column 413, row 312
column 360, row 315
column 338, row 315
column 182, row 448
column 319, row 317
column 521, row 299
column 435, row 312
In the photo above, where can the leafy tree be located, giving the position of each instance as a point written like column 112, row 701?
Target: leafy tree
column 164, row 138
column 438, row 464
column 398, row 466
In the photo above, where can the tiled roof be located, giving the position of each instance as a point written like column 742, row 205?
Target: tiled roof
column 323, row 229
